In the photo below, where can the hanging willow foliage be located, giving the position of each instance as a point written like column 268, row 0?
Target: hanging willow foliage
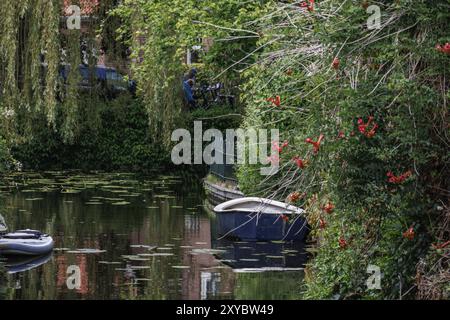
column 33, row 36
column 29, row 59
column 71, row 97
column 50, row 36
column 32, row 96
column 8, row 47
column 161, row 33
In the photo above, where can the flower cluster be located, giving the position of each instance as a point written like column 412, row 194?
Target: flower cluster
column 328, row 208
column 343, row 243
column 308, row 5
column 409, row 234
column 364, row 127
column 444, row 49
column 335, row 64
column 322, row 223
column 315, row 144
column 295, row 196
column 276, row 101
column 277, row 147
column 299, row 162
column 274, row 159
column 398, row 179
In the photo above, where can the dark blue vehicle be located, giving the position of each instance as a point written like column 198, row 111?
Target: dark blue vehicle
column 100, row 78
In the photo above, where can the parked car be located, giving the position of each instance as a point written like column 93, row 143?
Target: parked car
column 100, row 78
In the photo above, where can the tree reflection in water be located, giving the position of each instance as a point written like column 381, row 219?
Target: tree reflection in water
column 134, row 237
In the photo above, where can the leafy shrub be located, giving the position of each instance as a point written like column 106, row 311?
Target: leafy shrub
column 373, row 188
column 111, row 135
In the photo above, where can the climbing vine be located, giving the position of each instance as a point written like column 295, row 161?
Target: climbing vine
column 363, row 113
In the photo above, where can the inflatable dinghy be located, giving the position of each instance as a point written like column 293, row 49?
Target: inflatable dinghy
column 25, row 242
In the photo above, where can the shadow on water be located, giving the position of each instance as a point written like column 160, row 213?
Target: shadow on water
column 122, row 236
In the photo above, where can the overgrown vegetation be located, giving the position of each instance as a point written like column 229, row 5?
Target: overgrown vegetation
column 363, row 111
column 161, row 33
column 364, row 114
column 113, row 135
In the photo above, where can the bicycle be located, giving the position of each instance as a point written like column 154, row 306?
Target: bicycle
column 210, row 95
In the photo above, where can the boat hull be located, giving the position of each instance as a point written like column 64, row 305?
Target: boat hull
column 29, row 247
column 261, row 226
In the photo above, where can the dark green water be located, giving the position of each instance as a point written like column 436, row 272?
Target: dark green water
column 134, row 237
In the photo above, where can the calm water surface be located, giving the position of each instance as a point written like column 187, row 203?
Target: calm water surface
column 135, row 237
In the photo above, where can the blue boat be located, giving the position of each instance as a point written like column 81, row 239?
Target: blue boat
column 25, row 242
column 259, row 219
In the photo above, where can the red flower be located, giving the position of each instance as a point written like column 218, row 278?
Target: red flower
column 276, row 101
column 299, row 162
column 398, row 179
column 362, row 127
column 294, row 196
column 274, row 159
column 444, row 49
column 343, row 243
column 285, row 217
column 328, row 208
column 278, row 148
column 372, row 132
column 309, row 6
column 409, row 234
column 341, row 135
column 335, row 63
column 315, row 144
column 322, row 223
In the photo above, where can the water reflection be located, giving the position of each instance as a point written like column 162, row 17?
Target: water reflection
column 134, row 238
column 16, row 264
column 265, row 256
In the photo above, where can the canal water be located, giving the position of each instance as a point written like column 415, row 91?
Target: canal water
column 126, row 236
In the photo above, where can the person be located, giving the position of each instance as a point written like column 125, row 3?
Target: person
column 188, row 86
column 188, row 92
column 3, row 227
column 192, row 74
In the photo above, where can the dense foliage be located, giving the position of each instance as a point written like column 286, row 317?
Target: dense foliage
column 112, row 136
column 36, row 42
column 161, row 33
column 7, row 162
column 364, row 114
column 363, row 111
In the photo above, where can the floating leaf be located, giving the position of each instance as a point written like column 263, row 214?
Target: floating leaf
column 87, row 251
column 122, row 203
column 109, row 262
